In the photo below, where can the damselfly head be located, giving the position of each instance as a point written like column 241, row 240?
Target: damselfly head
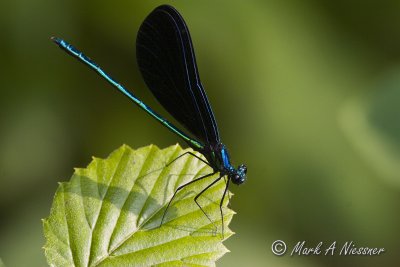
column 238, row 176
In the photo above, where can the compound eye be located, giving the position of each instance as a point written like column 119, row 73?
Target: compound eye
column 243, row 168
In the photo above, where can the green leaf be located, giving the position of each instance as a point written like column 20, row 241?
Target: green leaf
column 1, row 263
column 109, row 213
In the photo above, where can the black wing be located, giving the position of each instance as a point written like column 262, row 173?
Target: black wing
column 167, row 62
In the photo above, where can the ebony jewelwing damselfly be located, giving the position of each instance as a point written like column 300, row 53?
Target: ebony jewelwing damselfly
column 167, row 62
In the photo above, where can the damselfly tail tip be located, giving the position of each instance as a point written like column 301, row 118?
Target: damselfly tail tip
column 56, row 40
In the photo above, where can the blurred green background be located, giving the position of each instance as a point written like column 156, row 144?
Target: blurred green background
column 306, row 93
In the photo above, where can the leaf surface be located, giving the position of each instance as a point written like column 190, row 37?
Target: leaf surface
column 109, row 213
